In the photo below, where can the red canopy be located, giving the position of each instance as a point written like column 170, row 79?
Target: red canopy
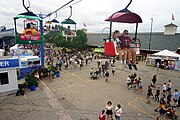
column 125, row 17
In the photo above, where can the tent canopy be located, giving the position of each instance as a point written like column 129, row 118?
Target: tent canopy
column 15, row 47
column 125, row 16
column 167, row 53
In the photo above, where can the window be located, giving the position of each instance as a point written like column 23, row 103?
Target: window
column 4, row 78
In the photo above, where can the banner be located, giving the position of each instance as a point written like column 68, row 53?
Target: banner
column 9, row 63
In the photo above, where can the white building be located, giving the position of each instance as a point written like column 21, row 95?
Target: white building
column 8, row 75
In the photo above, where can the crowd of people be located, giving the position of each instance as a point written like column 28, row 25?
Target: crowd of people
column 135, row 83
column 103, row 68
column 68, row 60
column 169, row 99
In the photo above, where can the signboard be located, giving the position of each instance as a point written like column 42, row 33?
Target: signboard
column 26, row 39
column 9, row 63
column 30, row 37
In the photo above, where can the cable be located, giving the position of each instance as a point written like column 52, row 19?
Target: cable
column 63, row 7
column 58, row 9
column 72, row 4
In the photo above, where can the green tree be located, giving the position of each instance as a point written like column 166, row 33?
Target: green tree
column 60, row 41
column 79, row 42
column 49, row 38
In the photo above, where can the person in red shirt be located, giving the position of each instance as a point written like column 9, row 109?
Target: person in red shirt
column 102, row 115
column 125, row 42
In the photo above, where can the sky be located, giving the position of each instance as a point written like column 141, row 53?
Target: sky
column 94, row 12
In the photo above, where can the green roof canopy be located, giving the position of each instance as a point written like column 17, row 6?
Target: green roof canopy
column 68, row 21
column 28, row 17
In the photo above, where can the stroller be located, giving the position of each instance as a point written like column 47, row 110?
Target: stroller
column 171, row 112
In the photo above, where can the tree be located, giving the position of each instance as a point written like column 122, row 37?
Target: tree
column 79, row 42
column 49, row 37
column 60, row 41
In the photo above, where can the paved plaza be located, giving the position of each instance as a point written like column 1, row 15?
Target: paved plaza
column 74, row 96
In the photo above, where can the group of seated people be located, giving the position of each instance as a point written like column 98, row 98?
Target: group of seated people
column 31, row 29
column 69, row 33
column 122, row 43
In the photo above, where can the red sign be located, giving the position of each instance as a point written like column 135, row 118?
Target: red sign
column 30, row 37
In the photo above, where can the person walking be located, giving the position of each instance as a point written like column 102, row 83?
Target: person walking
column 176, row 97
column 140, row 85
column 164, row 88
column 109, row 108
column 113, row 69
column 169, row 86
column 157, row 94
column 106, row 74
column 118, row 112
column 129, row 82
column 154, row 79
column 162, row 111
column 149, row 93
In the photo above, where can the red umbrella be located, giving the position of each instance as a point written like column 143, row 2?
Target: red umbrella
column 125, row 17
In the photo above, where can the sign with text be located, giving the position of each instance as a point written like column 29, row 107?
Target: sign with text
column 9, row 63
column 29, row 39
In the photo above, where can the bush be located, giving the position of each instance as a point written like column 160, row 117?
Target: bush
column 44, row 71
column 53, row 69
column 30, row 80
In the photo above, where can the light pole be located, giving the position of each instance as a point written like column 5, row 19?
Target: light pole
column 150, row 34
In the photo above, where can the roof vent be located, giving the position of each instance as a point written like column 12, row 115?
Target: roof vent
column 170, row 29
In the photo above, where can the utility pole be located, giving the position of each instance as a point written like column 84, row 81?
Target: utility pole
column 150, row 34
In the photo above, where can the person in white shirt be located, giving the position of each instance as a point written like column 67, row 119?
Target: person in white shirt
column 118, row 112
column 164, row 88
column 169, row 86
column 113, row 69
column 121, row 52
column 129, row 81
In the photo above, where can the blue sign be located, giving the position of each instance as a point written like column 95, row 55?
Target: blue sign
column 9, row 63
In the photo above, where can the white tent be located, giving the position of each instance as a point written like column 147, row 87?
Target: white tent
column 15, row 47
column 167, row 53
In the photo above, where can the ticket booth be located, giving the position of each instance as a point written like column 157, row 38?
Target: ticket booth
column 8, row 75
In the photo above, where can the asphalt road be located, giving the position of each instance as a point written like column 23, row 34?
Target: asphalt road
column 74, row 96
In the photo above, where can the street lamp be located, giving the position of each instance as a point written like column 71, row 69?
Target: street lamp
column 150, row 34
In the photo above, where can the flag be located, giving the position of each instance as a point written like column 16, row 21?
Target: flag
column 173, row 17
column 84, row 25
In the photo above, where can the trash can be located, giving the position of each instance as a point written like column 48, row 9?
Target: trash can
column 58, row 74
column 32, row 88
